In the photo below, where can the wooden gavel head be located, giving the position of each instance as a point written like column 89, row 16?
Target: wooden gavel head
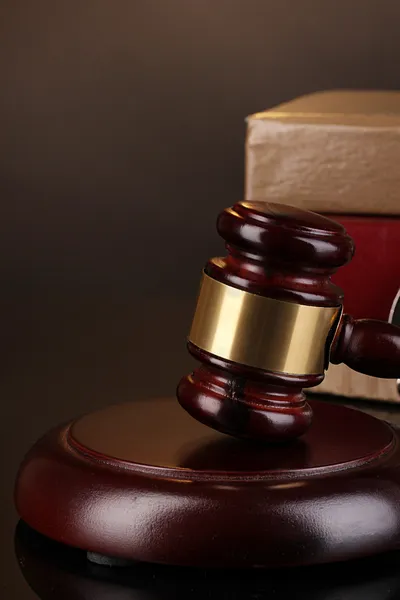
column 269, row 320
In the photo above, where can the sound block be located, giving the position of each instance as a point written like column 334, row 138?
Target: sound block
column 144, row 481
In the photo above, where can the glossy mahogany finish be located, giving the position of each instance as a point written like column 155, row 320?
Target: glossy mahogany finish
column 368, row 346
column 289, row 254
column 281, row 252
column 145, row 481
column 246, row 403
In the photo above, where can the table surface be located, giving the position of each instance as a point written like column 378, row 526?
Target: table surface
column 65, row 355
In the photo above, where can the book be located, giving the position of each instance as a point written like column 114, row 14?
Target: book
column 336, row 151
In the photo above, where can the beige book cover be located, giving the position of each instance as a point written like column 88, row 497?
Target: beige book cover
column 336, row 151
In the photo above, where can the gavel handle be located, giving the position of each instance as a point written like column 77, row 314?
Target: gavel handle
column 368, row 346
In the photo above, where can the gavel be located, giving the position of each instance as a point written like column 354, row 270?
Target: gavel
column 267, row 323
column 269, row 320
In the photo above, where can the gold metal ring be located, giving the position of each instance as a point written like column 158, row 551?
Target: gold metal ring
column 261, row 332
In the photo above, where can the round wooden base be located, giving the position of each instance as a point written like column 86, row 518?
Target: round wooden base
column 146, row 482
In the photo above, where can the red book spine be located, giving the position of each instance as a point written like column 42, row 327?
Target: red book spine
column 372, row 279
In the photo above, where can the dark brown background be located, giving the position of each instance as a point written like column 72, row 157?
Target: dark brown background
column 122, row 122
column 122, row 128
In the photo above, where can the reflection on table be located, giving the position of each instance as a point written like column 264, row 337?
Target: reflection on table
column 55, row 571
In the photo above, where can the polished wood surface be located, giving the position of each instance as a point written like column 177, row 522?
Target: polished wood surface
column 121, row 432
column 146, row 482
column 280, row 252
column 368, row 346
column 289, row 254
column 77, row 353
column 116, row 115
